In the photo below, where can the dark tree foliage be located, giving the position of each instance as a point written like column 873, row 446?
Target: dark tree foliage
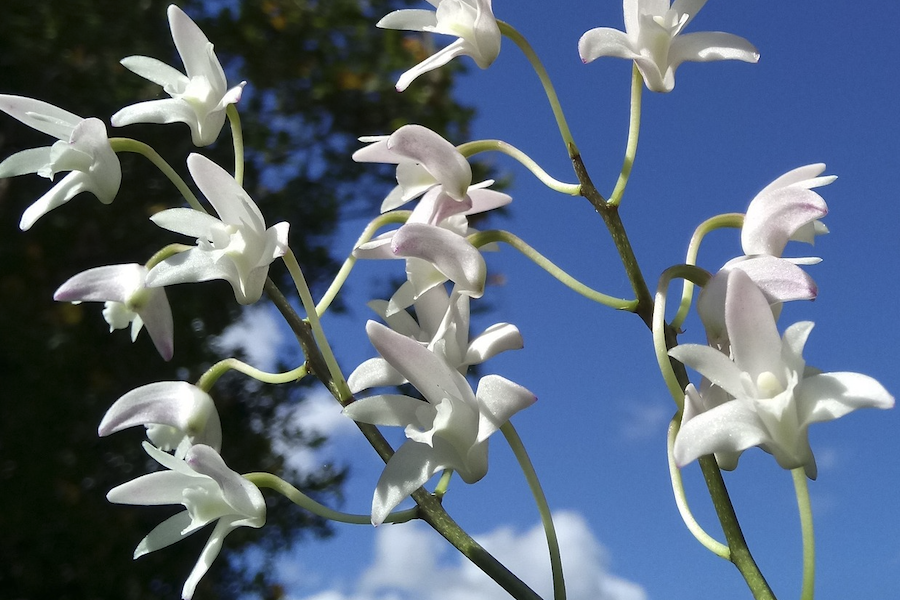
column 319, row 75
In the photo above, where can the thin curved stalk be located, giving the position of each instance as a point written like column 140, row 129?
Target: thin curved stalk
column 130, row 145
column 634, row 129
column 472, row 148
column 518, row 448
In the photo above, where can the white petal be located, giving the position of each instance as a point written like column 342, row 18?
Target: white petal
column 498, row 400
column 712, row 364
column 730, row 427
column 113, row 283
column 244, row 497
column 186, row 221
column 232, row 203
column 709, row 46
column 832, row 395
column 409, row 19
column 39, row 115
column 69, row 186
column 24, row 162
column 156, row 71
column 604, row 41
column 450, row 253
column 177, row 404
column 408, row 469
column 755, row 343
column 168, row 532
column 435, row 61
column 391, row 410
column 375, row 372
column 495, row 339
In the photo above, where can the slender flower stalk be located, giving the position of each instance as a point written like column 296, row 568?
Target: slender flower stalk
column 534, row 484
column 472, row 148
column 536, row 64
column 634, row 128
column 801, row 487
column 130, row 145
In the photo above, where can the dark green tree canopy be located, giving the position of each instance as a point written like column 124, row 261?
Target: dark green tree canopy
column 319, row 75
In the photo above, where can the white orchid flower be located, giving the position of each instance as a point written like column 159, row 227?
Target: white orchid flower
column 177, row 416
column 653, row 40
column 235, row 247
column 198, row 99
column 786, row 209
column 449, row 430
column 208, row 489
column 442, row 326
column 127, row 301
column 776, row 396
column 83, row 148
column 471, row 21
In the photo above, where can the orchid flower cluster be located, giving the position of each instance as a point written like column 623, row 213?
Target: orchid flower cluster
column 754, row 389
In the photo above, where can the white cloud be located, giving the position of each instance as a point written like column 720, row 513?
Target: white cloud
column 646, row 421
column 259, row 333
column 413, row 563
column 319, row 412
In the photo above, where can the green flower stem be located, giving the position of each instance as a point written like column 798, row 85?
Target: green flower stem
column 395, row 216
column 520, row 41
column 130, row 145
column 267, row 480
column 634, row 128
column 486, row 237
column 471, row 148
column 806, row 527
column 663, row 341
column 336, row 377
column 443, row 483
column 613, row 222
column 735, row 220
column 166, row 252
column 237, row 136
column 713, row 545
column 676, row 380
column 515, row 442
column 208, row 379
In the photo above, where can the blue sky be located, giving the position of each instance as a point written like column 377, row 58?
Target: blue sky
column 824, row 90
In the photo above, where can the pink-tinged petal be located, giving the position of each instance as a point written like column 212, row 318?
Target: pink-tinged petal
column 773, row 218
column 832, row 395
column 498, row 400
column 408, row 469
column 177, row 404
column 730, row 427
column 604, row 41
column 375, row 372
column 232, row 203
column 712, row 364
column 494, row 340
column 392, row 410
column 39, row 115
column 68, row 187
column 755, row 343
column 426, row 372
column 173, row 529
column 170, row 78
column 450, row 253
column 437, row 155
column 110, row 283
column 709, row 46
column 25, row 162
column 779, row 280
column 409, row 20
